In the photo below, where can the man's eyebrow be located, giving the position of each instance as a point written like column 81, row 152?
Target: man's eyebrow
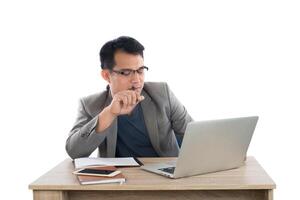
column 126, row 69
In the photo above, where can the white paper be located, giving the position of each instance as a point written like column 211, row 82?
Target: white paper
column 85, row 162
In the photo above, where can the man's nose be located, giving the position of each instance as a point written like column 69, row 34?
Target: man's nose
column 135, row 76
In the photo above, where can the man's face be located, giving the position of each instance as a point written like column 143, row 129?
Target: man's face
column 116, row 78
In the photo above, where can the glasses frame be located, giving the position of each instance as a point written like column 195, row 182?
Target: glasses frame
column 130, row 71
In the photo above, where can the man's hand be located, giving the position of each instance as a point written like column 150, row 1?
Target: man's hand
column 124, row 102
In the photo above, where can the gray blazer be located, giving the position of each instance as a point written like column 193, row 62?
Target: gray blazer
column 164, row 117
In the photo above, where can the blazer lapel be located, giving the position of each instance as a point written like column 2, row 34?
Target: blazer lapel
column 111, row 138
column 149, row 112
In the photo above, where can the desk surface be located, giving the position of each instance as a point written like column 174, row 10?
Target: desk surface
column 250, row 176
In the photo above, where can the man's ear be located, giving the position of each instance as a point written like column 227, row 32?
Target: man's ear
column 105, row 75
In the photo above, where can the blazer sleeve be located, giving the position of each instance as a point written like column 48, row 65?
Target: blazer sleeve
column 83, row 139
column 178, row 114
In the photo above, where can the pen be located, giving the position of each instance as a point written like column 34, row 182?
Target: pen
column 138, row 161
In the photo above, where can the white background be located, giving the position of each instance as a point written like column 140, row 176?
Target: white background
column 221, row 59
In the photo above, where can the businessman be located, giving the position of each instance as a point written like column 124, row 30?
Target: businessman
column 130, row 118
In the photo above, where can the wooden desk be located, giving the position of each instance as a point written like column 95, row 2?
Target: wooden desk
column 247, row 182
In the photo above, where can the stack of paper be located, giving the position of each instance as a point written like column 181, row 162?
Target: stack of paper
column 87, row 162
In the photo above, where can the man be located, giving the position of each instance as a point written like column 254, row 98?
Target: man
column 130, row 118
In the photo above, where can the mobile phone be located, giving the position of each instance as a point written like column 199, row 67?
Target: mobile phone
column 96, row 172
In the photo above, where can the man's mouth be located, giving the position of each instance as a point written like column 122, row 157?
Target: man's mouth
column 134, row 88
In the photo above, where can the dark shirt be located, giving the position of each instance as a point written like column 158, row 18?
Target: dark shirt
column 133, row 138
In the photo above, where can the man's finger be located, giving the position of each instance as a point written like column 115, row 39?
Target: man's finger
column 129, row 98
column 134, row 98
column 124, row 101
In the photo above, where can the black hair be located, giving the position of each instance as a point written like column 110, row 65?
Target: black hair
column 123, row 43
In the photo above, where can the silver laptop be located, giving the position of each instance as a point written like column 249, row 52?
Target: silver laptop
column 210, row 146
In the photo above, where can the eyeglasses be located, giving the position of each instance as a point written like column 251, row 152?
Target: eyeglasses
column 128, row 72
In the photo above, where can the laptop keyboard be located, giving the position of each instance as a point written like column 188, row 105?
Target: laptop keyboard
column 169, row 170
